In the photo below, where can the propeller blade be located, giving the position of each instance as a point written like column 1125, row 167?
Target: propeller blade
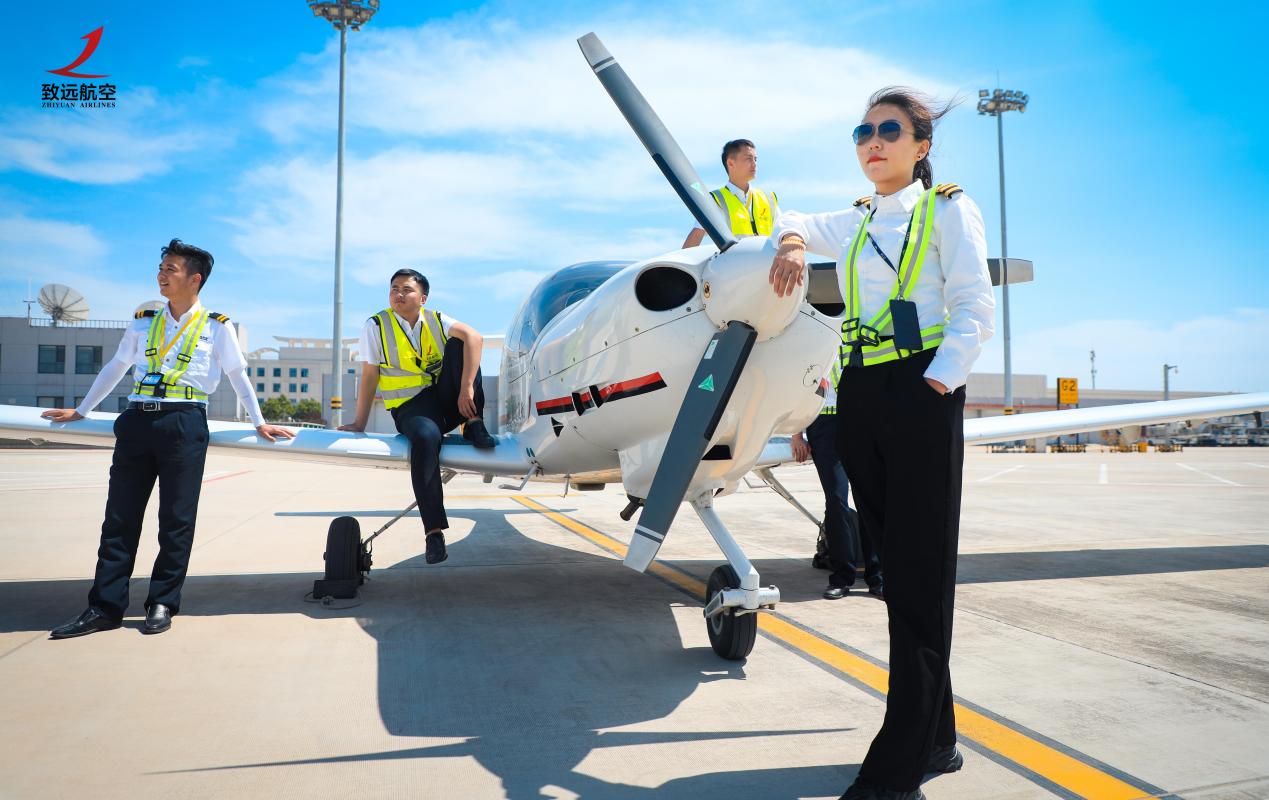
column 660, row 144
column 702, row 408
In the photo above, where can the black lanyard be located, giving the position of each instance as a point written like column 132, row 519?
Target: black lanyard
column 877, row 247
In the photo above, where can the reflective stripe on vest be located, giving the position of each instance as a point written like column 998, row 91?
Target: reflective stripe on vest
column 405, row 371
column 155, row 351
column 867, row 335
column 755, row 219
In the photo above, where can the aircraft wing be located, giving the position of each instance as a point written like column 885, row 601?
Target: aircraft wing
column 1099, row 418
column 310, row 444
column 779, row 449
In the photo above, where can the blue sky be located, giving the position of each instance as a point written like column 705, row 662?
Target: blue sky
column 483, row 152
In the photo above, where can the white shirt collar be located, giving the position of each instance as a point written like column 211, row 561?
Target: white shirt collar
column 167, row 309
column 903, row 200
column 405, row 325
column 741, row 193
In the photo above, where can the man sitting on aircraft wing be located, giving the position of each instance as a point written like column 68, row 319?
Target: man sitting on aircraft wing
column 426, row 367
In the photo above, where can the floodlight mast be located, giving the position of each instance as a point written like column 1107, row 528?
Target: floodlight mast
column 995, row 103
column 343, row 14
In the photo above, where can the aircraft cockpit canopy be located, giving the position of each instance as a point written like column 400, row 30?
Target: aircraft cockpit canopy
column 554, row 294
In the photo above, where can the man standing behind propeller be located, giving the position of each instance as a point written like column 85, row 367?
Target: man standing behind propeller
column 176, row 355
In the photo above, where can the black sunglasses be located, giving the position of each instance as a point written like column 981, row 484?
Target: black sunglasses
column 888, row 130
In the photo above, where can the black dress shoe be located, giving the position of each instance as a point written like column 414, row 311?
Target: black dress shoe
column 90, row 621
column 863, row 789
column 945, row 759
column 878, row 591
column 158, row 618
column 836, row 592
column 435, row 552
column 476, row 433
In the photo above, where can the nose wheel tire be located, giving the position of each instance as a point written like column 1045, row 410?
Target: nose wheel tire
column 731, row 636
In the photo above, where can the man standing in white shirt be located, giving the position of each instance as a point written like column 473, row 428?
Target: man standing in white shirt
column 177, row 356
column 426, row 368
column 750, row 211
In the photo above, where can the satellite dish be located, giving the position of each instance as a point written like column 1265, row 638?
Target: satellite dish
column 63, row 303
column 150, row 305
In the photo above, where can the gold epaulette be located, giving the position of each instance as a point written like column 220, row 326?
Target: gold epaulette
column 864, row 201
column 948, row 190
column 221, row 318
column 149, row 312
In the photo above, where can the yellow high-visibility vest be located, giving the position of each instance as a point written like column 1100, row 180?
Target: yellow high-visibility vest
column 161, row 383
column 867, row 336
column 755, row 218
column 404, row 370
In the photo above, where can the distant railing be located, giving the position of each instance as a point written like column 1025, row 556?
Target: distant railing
column 40, row 322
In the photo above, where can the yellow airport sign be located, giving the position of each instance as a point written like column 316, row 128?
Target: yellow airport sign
column 1068, row 391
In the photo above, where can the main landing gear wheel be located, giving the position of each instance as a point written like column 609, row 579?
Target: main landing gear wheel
column 731, row 636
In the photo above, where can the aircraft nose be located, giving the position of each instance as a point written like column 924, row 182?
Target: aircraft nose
column 737, row 287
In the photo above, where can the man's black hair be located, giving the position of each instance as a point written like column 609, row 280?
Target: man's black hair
column 196, row 259
column 733, row 147
column 406, row 272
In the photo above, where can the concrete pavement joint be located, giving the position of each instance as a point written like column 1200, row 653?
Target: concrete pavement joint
column 34, row 638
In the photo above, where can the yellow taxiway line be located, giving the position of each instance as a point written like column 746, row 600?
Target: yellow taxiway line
column 1045, row 761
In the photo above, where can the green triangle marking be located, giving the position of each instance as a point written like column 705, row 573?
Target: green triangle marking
column 707, row 384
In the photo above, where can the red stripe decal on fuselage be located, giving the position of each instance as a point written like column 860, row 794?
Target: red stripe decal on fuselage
column 614, row 391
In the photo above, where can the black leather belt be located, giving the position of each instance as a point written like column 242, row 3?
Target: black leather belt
column 154, row 405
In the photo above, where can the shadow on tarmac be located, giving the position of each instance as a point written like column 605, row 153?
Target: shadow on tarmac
column 533, row 664
column 534, row 656
column 799, row 583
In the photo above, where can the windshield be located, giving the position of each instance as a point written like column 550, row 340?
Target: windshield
column 556, row 293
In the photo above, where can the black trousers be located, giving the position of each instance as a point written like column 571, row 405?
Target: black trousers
column 903, row 446
column 170, row 446
column 846, row 546
column 424, row 419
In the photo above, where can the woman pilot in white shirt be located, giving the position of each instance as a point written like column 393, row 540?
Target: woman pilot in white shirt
column 913, row 263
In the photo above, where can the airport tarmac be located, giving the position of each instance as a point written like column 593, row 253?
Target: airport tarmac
column 1111, row 641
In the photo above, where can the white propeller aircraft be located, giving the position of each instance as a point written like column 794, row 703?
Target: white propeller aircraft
column 675, row 376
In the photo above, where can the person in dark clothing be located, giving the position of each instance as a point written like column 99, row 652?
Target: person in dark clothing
column 426, row 368
column 919, row 307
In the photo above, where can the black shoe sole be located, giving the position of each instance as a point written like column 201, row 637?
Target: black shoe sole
column 429, row 559
column 148, row 631
column 52, row 635
column 954, row 765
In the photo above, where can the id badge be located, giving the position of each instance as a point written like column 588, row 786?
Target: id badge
column 152, row 379
column 907, row 330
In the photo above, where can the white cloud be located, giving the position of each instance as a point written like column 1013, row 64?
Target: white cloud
column 98, row 145
column 448, row 80
column 1224, row 353
column 439, row 208
column 39, row 251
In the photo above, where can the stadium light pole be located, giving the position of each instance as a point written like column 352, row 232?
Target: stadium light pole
column 343, row 14
column 994, row 103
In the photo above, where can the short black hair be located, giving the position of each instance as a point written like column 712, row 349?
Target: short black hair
column 406, row 272
column 733, row 147
column 196, row 259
